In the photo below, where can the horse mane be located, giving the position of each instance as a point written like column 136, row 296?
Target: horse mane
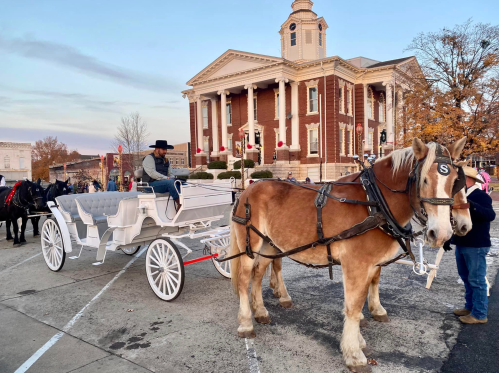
column 405, row 157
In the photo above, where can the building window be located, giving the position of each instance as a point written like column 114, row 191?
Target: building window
column 293, row 39
column 370, row 140
column 21, row 163
column 176, row 161
column 342, row 141
column 349, row 101
column 206, row 144
column 341, row 100
column 205, row 116
column 229, row 142
column 6, row 161
column 349, row 141
column 382, row 106
column 313, row 102
column 320, row 39
column 229, row 114
column 313, row 141
column 370, row 103
column 182, row 161
column 254, row 108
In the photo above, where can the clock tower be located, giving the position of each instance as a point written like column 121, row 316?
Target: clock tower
column 303, row 35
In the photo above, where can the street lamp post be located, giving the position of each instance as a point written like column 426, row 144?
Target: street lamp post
column 102, row 172
column 359, row 129
column 120, row 151
column 241, row 137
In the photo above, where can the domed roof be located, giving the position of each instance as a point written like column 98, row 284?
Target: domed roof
column 302, row 5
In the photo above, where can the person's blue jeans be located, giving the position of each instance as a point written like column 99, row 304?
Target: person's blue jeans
column 472, row 268
column 164, row 186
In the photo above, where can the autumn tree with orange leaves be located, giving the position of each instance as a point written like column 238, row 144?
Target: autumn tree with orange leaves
column 47, row 152
column 457, row 93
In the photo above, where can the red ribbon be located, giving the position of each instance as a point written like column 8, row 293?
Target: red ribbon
column 11, row 194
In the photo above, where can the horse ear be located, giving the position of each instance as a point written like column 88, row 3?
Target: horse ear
column 419, row 148
column 456, row 148
column 67, row 181
column 39, row 181
column 461, row 163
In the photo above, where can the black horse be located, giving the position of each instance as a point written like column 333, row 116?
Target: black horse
column 27, row 195
column 59, row 188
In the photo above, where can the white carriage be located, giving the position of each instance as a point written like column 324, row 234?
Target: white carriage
column 114, row 221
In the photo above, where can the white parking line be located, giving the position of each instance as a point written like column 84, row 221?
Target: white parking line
column 18, row 264
column 251, row 354
column 28, row 363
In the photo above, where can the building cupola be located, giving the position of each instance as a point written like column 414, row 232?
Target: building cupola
column 303, row 35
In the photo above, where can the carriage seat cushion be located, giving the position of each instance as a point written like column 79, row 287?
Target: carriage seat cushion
column 68, row 204
column 101, row 205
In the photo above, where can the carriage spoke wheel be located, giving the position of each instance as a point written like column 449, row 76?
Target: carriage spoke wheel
column 130, row 250
column 221, row 247
column 165, row 269
column 52, row 245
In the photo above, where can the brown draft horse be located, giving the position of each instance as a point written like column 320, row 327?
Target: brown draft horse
column 287, row 215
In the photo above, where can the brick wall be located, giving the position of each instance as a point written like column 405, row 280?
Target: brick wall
column 266, row 117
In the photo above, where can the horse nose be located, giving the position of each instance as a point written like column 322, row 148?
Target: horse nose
column 432, row 235
column 464, row 229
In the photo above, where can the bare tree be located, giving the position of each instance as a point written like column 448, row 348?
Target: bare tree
column 131, row 135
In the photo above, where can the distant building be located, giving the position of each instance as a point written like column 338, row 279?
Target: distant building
column 90, row 169
column 15, row 160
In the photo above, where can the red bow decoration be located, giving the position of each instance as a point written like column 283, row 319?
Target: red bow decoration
column 280, row 143
column 8, row 200
column 222, row 148
column 249, row 146
column 198, row 150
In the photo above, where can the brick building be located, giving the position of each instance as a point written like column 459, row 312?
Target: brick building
column 304, row 106
column 92, row 168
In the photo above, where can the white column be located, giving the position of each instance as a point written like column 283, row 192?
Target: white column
column 200, row 125
column 400, row 103
column 366, row 120
column 214, row 127
column 295, row 120
column 282, row 110
column 223, row 109
column 251, row 113
column 389, row 113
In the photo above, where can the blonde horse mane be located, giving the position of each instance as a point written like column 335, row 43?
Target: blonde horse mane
column 405, row 157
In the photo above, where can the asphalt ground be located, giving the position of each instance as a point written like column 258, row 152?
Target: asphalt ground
column 128, row 329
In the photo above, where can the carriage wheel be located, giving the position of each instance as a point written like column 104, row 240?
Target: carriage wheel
column 130, row 250
column 165, row 269
column 53, row 245
column 221, row 247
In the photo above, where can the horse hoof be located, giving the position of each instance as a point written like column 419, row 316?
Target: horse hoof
column 36, row 234
column 286, row 304
column 381, row 318
column 263, row 319
column 9, row 239
column 360, row 369
column 363, row 323
column 248, row 334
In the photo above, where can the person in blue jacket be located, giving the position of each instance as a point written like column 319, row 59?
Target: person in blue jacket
column 471, row 251
column 111, row 186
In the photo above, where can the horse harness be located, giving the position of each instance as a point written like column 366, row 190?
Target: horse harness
column 19, row 201
column 380, row 215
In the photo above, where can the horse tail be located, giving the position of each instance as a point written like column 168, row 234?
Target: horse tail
column 234, row 250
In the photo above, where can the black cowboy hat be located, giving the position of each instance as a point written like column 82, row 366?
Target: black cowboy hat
column 162, row 144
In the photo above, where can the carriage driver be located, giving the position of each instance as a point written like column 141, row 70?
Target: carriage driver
column 157, row 171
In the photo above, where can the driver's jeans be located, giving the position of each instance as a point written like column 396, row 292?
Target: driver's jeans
column 165, row 186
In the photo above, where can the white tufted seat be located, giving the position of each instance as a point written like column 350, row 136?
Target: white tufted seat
column 94, row 208
column 67, row 206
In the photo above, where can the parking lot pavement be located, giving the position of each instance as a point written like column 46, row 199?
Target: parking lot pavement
column 128, row 329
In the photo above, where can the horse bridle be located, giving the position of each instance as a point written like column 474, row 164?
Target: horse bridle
column 443, row 166
column 23, row 202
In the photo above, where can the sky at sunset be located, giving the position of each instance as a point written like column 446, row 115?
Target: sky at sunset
column 72, row 69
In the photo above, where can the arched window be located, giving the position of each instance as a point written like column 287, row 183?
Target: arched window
column 382, row 108
column 370, row 102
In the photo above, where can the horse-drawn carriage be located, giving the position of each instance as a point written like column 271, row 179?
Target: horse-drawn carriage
column 114, row 221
